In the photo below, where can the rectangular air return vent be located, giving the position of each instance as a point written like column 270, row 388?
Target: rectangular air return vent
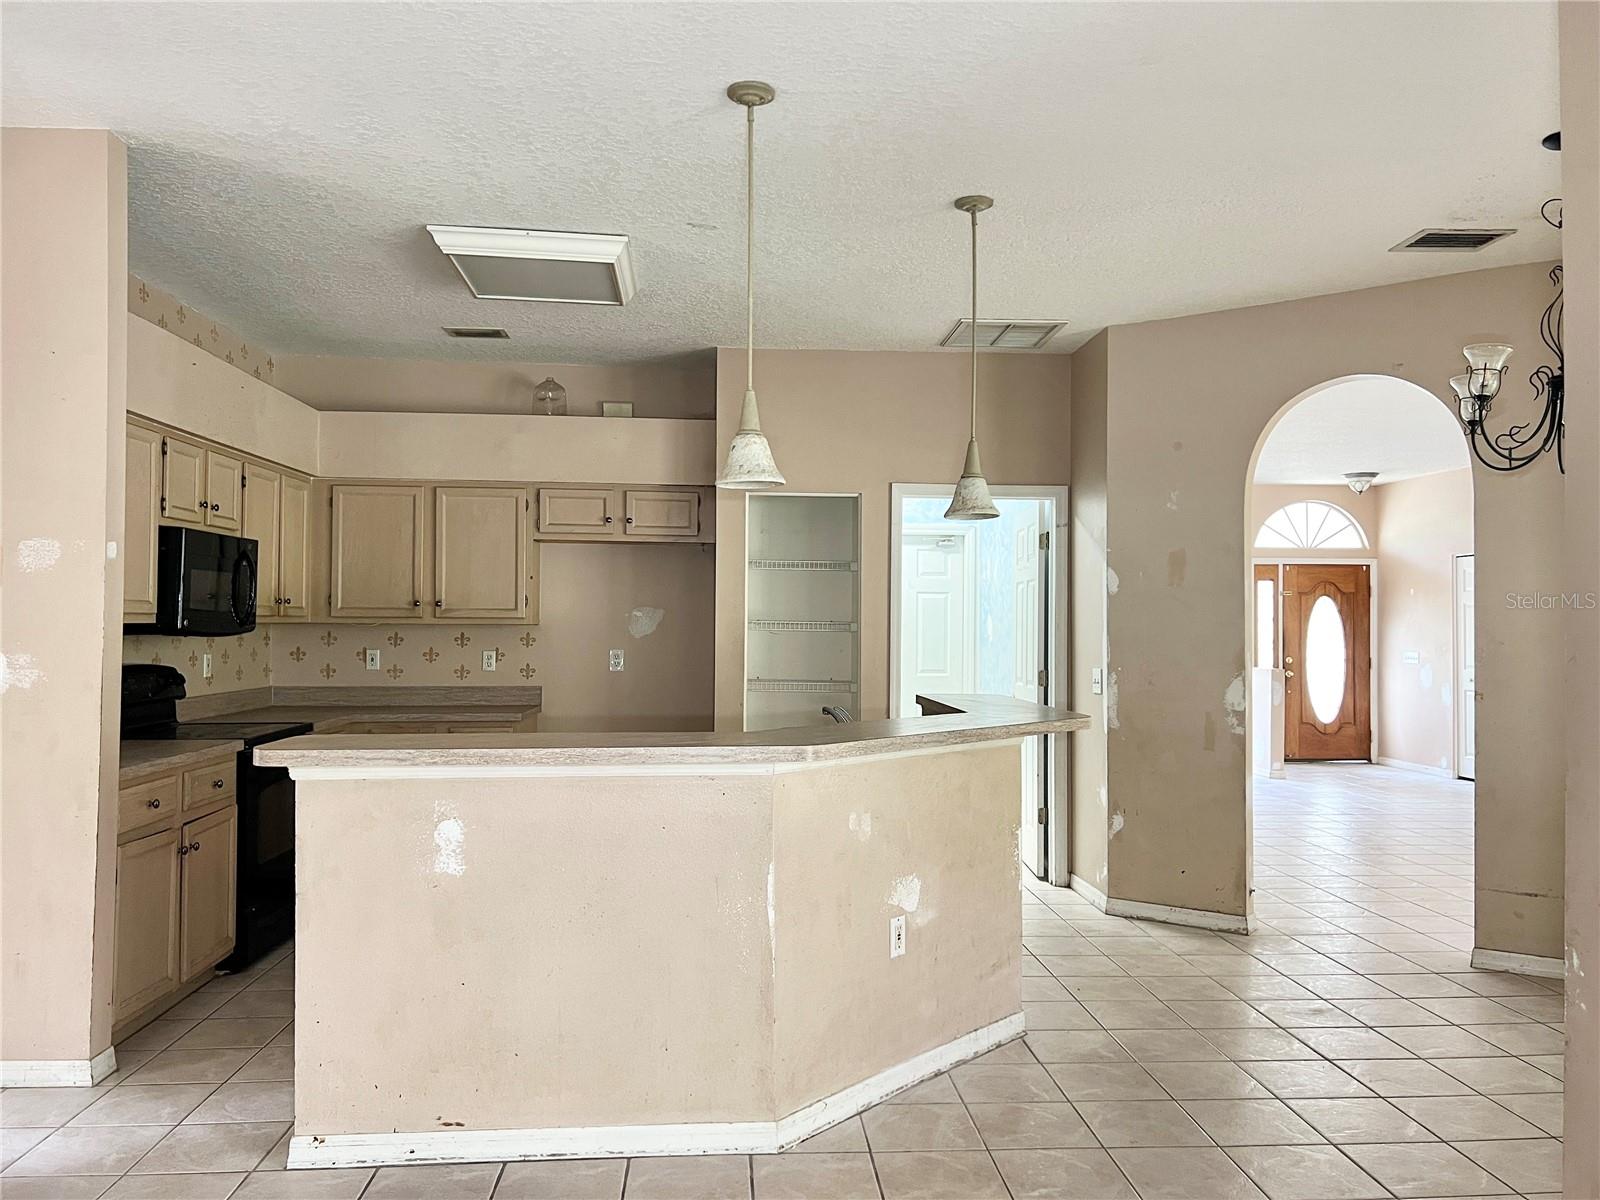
column 1003, row 335
column 1452, row 239
column 538, row 264
column 474, row 331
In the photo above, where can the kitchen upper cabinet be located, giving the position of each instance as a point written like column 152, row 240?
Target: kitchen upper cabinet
column 209, row 881
column 224, row 490
column 378, row 538
column 661, row 514
column 142, row 500
column 183, row 482
column 294, row 546
column 147, row 899
column 480, row 553
column 262, row 508
column 577, row 510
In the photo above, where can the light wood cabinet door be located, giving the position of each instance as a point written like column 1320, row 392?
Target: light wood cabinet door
column 224, row 490
column 143, row 511
column 377, row 551
column 577, row 510
column 148, row 886
column 480, row 553
column 183, row 482
column 209, row 881
column 262, row 488
column 294, row 547
column 661, row 514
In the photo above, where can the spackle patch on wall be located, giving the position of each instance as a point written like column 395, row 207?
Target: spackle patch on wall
column 1233, row 704
column 1117, row 822
column 38, row 554
column 1112, row 721
column 861, row 825
column 905, row 893
column 18, row 671
column 642, row 622
column 1112, row 582
column 449, row 842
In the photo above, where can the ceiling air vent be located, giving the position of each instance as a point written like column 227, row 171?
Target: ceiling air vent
column 474, row 331
column 1003, row 335
column 1452, row 239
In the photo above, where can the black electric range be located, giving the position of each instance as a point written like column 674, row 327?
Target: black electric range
column 265, row 916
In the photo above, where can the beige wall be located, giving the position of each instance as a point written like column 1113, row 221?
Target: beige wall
column 64, row 304
column 588, row 597
column 1088, row 590
column 855, row 422
column 1580, row 237
column 237, row 663
column 1188, row 402
column 471, row 385
column 1423, row 524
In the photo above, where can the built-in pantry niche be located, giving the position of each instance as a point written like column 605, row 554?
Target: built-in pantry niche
column 802, row 605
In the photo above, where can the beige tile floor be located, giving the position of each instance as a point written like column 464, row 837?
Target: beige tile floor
column 1345, row 1050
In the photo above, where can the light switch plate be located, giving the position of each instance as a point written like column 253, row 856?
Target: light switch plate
column 205, row 666
column 372, row 660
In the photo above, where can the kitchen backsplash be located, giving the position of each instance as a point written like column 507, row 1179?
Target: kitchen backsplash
column 237, row 663
column 407, row 655
column 165, row 310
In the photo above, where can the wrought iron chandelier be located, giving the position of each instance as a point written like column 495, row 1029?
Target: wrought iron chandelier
column 1521, row 445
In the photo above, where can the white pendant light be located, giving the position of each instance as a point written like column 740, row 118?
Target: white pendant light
column 972, row 501
column 749, row 466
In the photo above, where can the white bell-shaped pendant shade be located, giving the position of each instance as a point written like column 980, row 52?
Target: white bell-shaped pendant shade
column 749, row 466
column 971, row 501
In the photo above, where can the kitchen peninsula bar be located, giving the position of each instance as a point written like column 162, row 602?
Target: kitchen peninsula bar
column 565, row 945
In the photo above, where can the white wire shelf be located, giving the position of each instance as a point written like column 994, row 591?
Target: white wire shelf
column 768, row 626
column 800, row 685
column 801, row 564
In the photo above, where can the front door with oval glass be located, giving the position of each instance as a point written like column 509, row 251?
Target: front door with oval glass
column 1327, row 661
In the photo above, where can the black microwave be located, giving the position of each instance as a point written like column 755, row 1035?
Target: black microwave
column 205, row 584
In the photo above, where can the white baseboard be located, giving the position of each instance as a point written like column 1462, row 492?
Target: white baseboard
column 1520, row 964
column 1195, row 918
column 1088, row 891
column 634, row 1141
column 58, row 1072
column 1401, row 764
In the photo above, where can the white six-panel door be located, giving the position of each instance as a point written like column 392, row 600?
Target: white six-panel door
column 936, row 643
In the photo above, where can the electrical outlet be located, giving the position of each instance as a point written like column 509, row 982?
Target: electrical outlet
column 1097, row 682
column 897, row 936
column 205, row 666
column 615, row 660
column 490, row 660
column 372, row 660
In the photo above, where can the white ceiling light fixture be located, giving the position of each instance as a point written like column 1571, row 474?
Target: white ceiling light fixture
column 972, row 501
column 1360, row 481
column 749, row 466
column 539, row 264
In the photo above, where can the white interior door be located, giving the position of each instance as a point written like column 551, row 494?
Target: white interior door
column 937, row 615
column 1028, row 683
column 1466, row 670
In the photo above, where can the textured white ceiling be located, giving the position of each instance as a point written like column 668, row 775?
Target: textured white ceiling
column 1364, row 423
column 1147, row 160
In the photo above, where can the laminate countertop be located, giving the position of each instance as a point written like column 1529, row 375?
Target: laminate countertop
column 949, row 721
column 147, row 759
column 330, row 718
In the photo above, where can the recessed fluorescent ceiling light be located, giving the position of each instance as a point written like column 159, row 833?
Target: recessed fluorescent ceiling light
column 535, row 264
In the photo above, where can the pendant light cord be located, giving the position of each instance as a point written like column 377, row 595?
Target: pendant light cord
column 750, row 248
column 974, row 324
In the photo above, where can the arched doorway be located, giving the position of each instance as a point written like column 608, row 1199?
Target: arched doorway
column 1359, row 713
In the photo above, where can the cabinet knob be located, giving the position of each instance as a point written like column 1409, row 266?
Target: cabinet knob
column 608, row 520
column 288, row 599
column 438, row 603
column 182, row 850
column 416, row 604
column 193, row 846
column 630, row 520
column 219, row 784
column 153, row 803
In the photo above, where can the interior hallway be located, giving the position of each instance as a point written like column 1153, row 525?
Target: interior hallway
column 1345, row 1050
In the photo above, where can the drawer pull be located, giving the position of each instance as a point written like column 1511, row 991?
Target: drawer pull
column 219, row 784
column 153, row 803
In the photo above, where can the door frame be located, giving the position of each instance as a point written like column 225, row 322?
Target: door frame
column 1058, row 765
column 1374, row 696
column 1457, row 657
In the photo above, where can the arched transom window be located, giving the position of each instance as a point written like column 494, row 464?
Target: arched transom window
column 1310, row 525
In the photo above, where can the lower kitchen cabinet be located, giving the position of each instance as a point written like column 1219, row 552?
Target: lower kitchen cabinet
column 176, row 888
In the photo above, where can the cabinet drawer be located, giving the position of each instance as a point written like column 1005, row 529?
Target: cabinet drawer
column 203, row 786
column 147, row 803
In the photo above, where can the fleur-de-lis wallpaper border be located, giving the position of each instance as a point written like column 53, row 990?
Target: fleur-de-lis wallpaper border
column 309, row 655
column 166, row 311
column 237, row 663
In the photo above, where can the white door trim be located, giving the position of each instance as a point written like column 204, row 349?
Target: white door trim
column 1457, row 657
column 1057, row 663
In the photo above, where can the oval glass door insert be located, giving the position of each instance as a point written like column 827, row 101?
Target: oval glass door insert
column 1324, row 660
